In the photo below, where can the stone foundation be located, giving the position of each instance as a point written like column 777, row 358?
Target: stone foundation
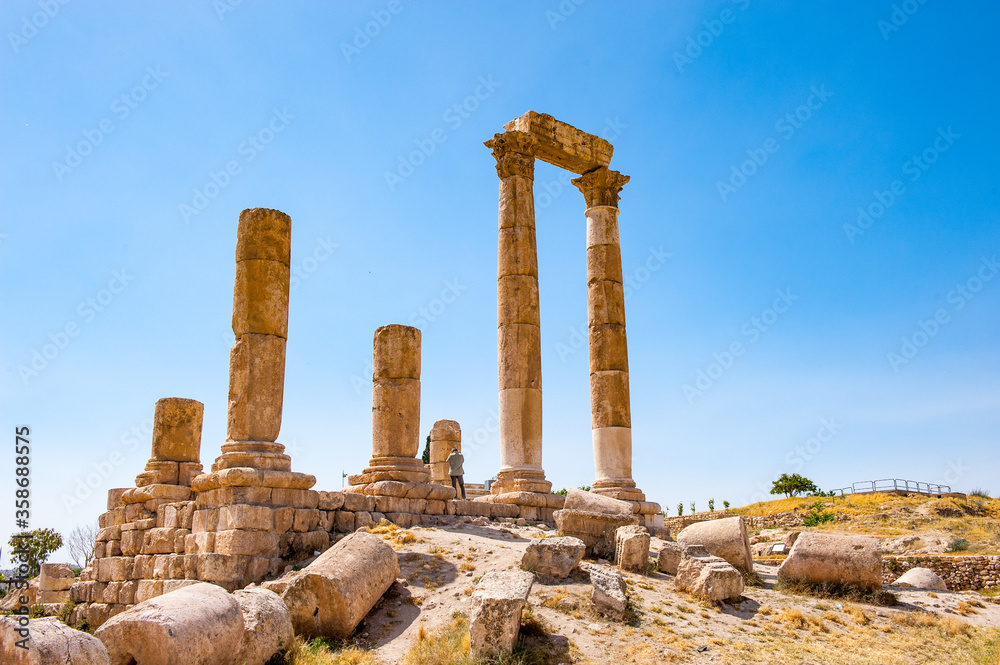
column 960, row 573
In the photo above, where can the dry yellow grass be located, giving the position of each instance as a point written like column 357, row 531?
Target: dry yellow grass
column 317, row 652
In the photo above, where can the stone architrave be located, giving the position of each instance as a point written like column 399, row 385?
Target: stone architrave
column 519, row 343
column 610, row 408
column 445, row 435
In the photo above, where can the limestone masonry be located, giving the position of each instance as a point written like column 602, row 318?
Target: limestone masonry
column 251, row 516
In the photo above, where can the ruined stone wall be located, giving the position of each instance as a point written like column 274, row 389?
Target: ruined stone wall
column 791, row 519
column 960, row 573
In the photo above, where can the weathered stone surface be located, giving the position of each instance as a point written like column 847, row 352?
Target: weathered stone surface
column 922, row 578
column 669, row 557
column 200, row 624
column 632, row 548
column 56, row 577
column 330, row 596
column 553, row 557
column 609, row 591
column 395, row 418
column 610, row 401
column 708, row 576
column 595, row 503
column 267, row 625
column 177, row 430
column 725, row 538
column 260, row 298
column 596, row 530
column 495, row 620
column 51, row 643
column 264, row 234
column 820, row 558
column 562, row 144
column 256, row 388
column 397, row 353
column 445, row 435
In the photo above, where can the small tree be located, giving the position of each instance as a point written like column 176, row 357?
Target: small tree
column 711, row 505
column 32, row 548
column 426, row 457
column 693, row 508
column 81, row 544
column 680, row 508
column 793, row 485
column 725, row 505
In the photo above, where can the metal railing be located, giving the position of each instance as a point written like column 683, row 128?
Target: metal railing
column 892, row 485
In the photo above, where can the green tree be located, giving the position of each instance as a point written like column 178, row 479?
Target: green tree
column 692, row 508
column 426, row 457
column 725, row 505
column 680, row 508
column 711, row 505
column 793, row 485
column 33, row 548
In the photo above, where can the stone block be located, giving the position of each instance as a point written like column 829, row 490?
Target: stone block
column 497, row 603
column 306, row 519
column 596, row 530
column 609, row 399
column 708, row 576
column 553, row 557
column 608, row 592
column 669, row 557
column 51, row 642
column 284, row 519
column 725, row 538
column 330, row 500
column 260, row 298
column 344, row 521
column 146, row 589
column 242, row 516
column 358, row 502
column 397, row 353
column 132, row 542
column 205, row 520
column 294, row 498
column 821, row 558
column 363, row 519
column 267, row 625
column 264, row 234
column 632, row 548
column 159, row 541
column 561, row 144
column 252, row 543
column 516, row 369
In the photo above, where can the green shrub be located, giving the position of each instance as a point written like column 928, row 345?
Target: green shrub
column 981, row 493
column 957, row 545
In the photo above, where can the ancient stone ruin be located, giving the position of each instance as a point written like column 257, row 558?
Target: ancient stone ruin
column 250, row 516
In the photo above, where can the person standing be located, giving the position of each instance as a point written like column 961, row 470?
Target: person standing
column 455, row 470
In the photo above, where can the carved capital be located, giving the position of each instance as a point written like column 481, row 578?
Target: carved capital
column 601, row 186
column 514, row 152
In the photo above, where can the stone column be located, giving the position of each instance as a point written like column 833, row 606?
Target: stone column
column 518, row 333
column 395, row 408
column 445, row 435
column 176, row 455
column 609, row 391
column 257, row 360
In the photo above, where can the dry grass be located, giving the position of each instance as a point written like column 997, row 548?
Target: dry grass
column 391, row 533
column 320, row 652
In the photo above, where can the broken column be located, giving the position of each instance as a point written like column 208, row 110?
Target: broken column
column 395, row 408
column 445, row 435
column 257, row 359
column 518, row 332
column 176, row 454
column 609, row 385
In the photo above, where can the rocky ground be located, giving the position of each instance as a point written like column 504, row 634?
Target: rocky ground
column 440, row 566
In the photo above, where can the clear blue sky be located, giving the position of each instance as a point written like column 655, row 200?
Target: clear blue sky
column 752, row 132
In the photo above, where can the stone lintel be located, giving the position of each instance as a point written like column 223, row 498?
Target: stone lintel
column 562, row 144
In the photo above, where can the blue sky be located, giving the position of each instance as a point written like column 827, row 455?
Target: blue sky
column 753, row 134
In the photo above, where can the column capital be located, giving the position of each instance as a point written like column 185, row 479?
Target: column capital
column 514, row 152
column 601, row 186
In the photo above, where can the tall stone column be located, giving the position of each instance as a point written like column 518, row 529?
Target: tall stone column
column 395, row 408
column 610, row 409
column 519, row 344
column 257, row 359
column 445, row 435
